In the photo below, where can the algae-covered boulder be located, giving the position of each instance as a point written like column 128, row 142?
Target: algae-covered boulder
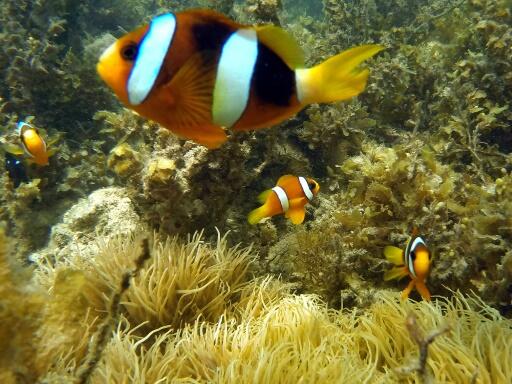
column 104, row 214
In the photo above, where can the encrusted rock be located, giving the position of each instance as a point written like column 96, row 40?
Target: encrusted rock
column 105, row 213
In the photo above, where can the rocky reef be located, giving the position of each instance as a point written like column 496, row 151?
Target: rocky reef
column 428, row 144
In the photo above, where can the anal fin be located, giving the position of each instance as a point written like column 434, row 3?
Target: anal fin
column 209, row 135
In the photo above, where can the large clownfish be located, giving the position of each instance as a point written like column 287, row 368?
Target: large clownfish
column 414, row 261
column 198, row 72
column 289, row 196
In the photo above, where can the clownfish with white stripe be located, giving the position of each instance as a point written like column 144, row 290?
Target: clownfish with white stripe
column 33, row 145
column 414, row 261
column 198, row 73
column 289, row 196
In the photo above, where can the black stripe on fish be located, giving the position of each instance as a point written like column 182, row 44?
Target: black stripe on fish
column 273, row 81
column 210, row 35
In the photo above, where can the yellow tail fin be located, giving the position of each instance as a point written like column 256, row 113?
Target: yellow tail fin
column 257, row 215
column 337, row 78
column 394, row 255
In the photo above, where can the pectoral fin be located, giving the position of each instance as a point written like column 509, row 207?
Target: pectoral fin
column 188, row 98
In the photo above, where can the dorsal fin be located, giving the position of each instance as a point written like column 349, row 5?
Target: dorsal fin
column 285, row 178
column 262, row 197
column 283, row 44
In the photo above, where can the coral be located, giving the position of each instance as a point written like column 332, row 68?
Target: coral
column 48, row 53
column 425, row 145
column 265, row 10
column 51, row 190
column 123, row 160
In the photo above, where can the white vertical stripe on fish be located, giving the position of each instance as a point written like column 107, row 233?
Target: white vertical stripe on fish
column 151, row 54
column 305, row 188
column 283, row 198
column 412, row 248
column 234, row 74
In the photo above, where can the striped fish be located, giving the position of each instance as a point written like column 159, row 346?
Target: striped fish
column 414, row 261
column 198, row 73
column 289, row 196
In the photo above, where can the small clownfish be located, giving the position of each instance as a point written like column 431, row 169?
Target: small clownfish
column 32, row 144
column 289, row 196
column 198, row 72
column 414, row 261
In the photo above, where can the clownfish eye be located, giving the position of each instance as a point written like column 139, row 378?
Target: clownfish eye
column 312, row 185
column 129, row 52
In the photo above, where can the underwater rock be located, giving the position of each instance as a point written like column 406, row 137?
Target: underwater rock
column 123, row 160
column 104, row 214
column 160, row 170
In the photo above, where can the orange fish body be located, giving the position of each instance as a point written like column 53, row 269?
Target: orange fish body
column 33, row 144
column 414, row 261
column 198, row 72
column 289, row 196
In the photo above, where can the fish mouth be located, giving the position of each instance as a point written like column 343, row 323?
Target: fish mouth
column 100, row 66
column 108, row 51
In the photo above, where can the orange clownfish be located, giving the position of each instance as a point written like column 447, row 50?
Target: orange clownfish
column 289, row 196
column 414, row 261
column 198, row 72
column 32, row 144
